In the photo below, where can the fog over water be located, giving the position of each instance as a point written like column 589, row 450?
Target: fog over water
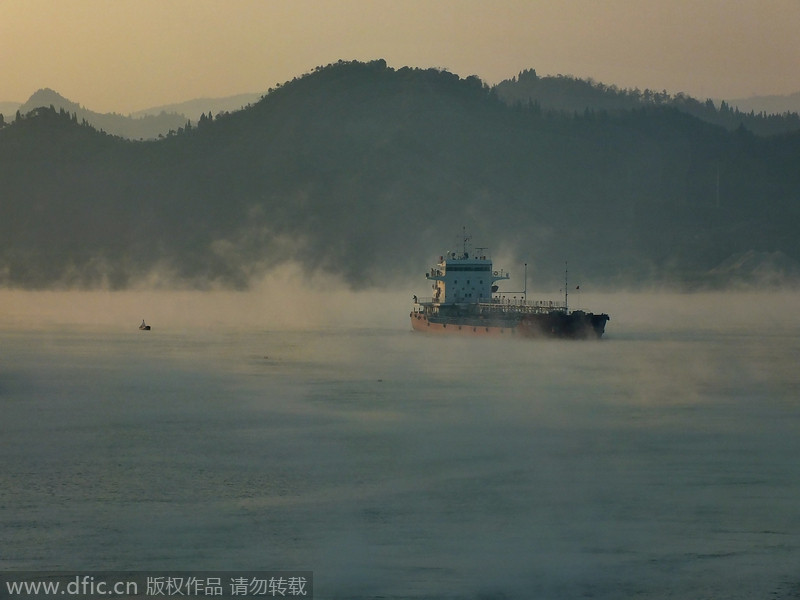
column 298, row 429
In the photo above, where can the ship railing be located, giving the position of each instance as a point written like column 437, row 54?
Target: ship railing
column 508, row 304
column 514, row 304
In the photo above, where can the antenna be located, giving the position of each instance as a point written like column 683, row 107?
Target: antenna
column 566, row 287
column 525, row 289
column 466, row 238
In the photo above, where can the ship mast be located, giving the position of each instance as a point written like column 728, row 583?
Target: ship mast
column 566, row 287
column 466, row 238
column 525, row 287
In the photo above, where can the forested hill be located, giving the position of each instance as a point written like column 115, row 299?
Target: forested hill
column 370, row 172
column 148, row 126
column 569, row 94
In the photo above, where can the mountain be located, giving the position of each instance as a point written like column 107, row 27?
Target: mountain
column 48, row 97
column 369, row 172
column 761, row 114
column 569, row 94
column 150, row 123
column 769, row 104
column 9, row 109
column 148, row 126
column 192, row 109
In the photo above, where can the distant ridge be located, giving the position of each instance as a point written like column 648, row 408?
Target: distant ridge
column 9, row 109
column 193, row 109
column 570, row 94
column 145, row 124
column 365, row 171
column 769, row 104
column 149, row 123
column 47, row 97
column 146, row 127
column 770, row 114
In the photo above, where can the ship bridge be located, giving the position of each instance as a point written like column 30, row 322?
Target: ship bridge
column 459, row 278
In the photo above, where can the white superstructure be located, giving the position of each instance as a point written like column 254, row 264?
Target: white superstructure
column 461, row 279
column 465, row 300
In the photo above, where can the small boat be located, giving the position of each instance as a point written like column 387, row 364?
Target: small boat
column 144, row 326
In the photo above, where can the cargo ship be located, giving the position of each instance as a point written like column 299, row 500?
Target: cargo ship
column 466, row 301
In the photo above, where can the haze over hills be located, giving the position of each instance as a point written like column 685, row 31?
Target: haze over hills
column 192, row 109
column 145, row 124
column 578, row 95
column 762, row 114
column 148, row 126
column 8, row 109
column 769, row 104
column 369, row 172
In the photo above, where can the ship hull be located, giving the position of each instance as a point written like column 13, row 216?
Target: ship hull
column 420, row 322
column 554, row 324
column 466, row 301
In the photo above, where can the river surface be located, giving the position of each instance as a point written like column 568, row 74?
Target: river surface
column 660, row 462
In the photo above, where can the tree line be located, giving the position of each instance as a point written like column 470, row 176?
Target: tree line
column 366, row 172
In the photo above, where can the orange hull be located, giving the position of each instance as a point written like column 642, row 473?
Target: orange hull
column 420, row 323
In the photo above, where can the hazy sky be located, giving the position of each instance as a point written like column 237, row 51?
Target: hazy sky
column 127, row 55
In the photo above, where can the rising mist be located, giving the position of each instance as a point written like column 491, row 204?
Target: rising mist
column 366, row 172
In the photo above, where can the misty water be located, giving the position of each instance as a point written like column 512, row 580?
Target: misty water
column 660, row 462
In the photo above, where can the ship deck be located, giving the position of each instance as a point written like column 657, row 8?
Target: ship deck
column 499, row 306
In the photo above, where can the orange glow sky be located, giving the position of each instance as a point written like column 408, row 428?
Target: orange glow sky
column 127, row 55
